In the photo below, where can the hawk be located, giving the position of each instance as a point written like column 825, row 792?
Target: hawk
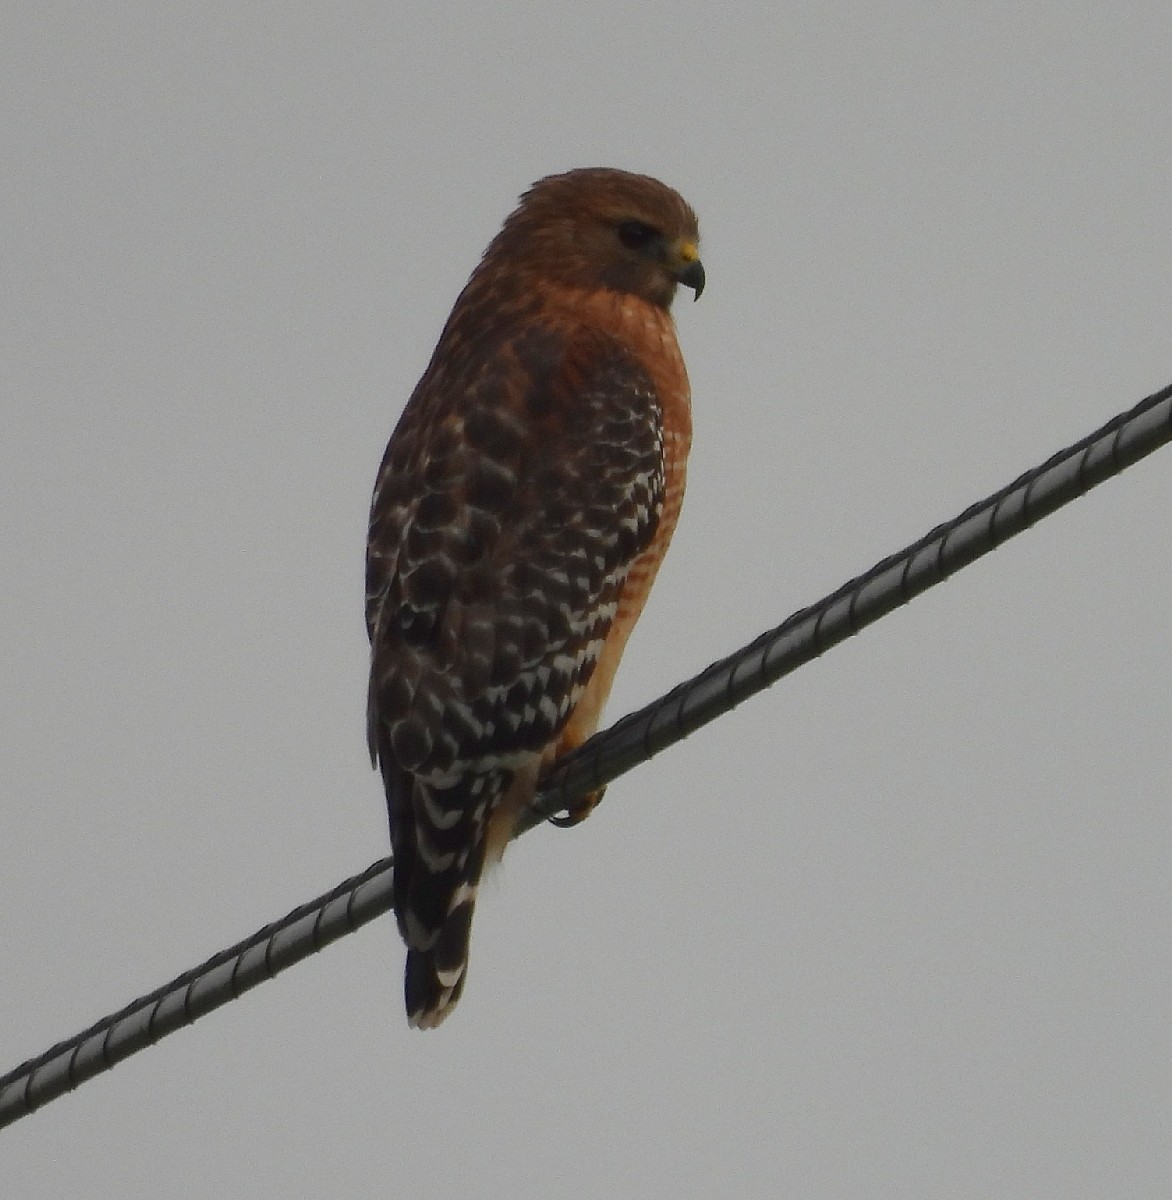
column 523, row 506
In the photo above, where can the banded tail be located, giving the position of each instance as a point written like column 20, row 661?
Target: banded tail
column 439, row 839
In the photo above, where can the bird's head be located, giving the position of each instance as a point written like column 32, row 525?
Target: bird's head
column 599, row 227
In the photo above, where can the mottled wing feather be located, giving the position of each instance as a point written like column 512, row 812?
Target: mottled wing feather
column 509, row 508
column 505, row 518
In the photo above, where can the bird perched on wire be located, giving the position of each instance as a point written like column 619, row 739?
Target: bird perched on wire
column 523, row 506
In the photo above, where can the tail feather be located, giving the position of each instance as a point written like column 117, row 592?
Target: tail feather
column 436, row 895
column 434, row 979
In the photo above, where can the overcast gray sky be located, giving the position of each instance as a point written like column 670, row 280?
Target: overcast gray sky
column 899, row 927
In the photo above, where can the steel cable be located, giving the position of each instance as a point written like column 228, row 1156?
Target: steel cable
column 805, row 635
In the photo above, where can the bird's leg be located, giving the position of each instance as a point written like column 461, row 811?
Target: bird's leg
column 574, row 735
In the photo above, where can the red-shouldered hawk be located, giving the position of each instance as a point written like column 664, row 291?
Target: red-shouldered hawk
column 520, row 514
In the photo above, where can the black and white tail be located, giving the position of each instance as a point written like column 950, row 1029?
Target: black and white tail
column 438, row 836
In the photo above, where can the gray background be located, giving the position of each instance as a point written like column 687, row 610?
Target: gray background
column 898, row 927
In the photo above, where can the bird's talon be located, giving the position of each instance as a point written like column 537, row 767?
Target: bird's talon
column 577, row 812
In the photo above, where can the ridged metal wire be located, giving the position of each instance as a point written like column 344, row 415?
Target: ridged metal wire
column 805, row 635
column 889, row 584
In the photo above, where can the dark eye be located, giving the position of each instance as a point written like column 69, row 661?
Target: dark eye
column 637, row 236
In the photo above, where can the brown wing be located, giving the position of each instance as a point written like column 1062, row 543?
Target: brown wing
column 511, row 503
column 506, row 515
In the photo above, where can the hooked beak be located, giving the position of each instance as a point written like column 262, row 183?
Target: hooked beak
column 687, row 267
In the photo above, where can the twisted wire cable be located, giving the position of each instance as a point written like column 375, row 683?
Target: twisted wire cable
column 805, row 635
